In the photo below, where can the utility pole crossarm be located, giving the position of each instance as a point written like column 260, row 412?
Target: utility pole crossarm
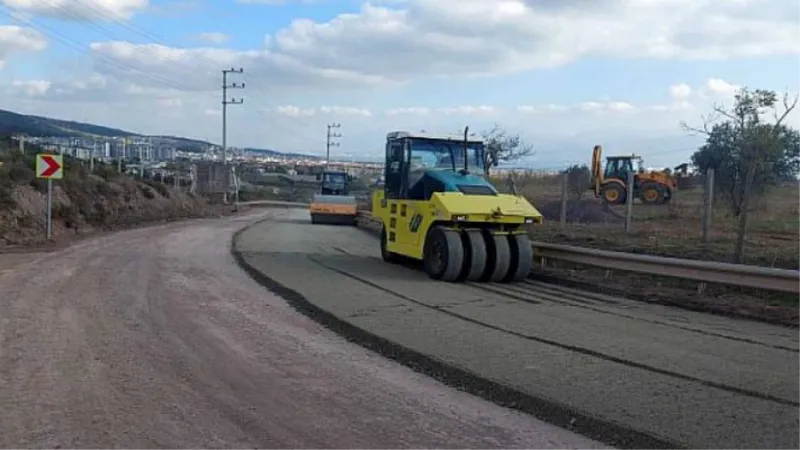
column 330, row 143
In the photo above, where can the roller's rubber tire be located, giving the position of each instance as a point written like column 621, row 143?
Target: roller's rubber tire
column 498, row 257
column 314, row 220
column 475, row 255
column 443, row 256
column 521, row 258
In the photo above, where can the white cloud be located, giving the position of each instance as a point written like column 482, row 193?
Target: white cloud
column 438, row 37
column 198, row 69
column 213, row 37
column 339, row 111
column 563, row 133
column 413, row 110
column 32, row 88
column 680, row 92
column 360, row 56
column 19, row 39
column 721, row 88
column 79, row 10
column 593, row 107
column 275, row 2
column 421, row 38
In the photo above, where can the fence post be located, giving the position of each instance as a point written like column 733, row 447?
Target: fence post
column 629, row 203
column 564, row 181
column 708, row 205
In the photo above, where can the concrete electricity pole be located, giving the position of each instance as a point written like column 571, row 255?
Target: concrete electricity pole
column 225, row 103
column 329, row 142
column 121, row 154
column 91, row 156
column 140, row 146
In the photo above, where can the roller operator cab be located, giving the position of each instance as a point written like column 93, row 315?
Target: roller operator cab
column 437, row 206
column 334, row 182
column 334, row 205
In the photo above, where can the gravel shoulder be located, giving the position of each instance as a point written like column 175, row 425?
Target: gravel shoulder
column 154, row 338
column 614, row 369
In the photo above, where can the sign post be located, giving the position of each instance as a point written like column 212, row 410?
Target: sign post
column 49, row 167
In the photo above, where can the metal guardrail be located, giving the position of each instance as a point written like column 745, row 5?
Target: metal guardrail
column 741, row 275
column 275, row 203
column 702, row 271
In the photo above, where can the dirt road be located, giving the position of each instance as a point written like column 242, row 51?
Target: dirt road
column 155, row 338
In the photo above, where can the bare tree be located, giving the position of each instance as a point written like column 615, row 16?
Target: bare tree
column 740, row 140
column 503, row 147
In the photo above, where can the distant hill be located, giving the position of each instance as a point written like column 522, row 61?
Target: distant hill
column 13, row 123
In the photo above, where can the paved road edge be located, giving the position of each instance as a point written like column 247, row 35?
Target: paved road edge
column 560, row 415
column 685, row 303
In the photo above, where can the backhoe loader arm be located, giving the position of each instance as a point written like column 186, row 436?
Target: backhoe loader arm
column 597, row 168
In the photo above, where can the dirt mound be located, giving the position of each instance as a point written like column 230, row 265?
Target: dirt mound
column 584, row 211
column 84, row 202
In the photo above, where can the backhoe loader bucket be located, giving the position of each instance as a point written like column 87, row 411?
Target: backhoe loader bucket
column 334, row 209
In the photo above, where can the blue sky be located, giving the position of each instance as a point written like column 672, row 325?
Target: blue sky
column 565, row 75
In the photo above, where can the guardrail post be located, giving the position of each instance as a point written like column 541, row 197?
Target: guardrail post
column 708, row 204
column 629, row 203
column 564, row 180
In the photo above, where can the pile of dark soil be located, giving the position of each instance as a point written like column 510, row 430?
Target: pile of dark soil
column 583, row 211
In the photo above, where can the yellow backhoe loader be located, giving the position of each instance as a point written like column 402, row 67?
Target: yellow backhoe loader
column 611, row 184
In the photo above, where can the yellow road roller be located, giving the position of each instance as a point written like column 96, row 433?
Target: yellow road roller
column 438, row 206
column 334, row 205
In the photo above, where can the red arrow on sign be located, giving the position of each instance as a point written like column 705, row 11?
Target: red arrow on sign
column 52, row 166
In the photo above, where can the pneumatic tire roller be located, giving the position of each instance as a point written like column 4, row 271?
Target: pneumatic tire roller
column 454, row 222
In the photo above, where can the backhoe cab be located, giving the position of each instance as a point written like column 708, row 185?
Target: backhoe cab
column 333, row 204
column 652, row 188
column 437, row 206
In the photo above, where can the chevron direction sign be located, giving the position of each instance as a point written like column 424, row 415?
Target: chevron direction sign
column 49, row 167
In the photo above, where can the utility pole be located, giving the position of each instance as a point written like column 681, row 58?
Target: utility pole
column 91, row 156
column 329, row 142
column 141, row 160
column 121, row 155
column 225, row 103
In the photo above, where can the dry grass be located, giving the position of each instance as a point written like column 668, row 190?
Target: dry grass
column 675, row 229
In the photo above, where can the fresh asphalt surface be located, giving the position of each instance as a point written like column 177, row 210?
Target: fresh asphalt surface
column 155, row 338
column 685, row 378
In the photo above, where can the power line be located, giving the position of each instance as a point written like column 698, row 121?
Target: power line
column 329, row 142
column 104, row 12
column 225, row 103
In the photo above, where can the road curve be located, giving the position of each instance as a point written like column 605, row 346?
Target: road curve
column 631, row 374
column 154, row 338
